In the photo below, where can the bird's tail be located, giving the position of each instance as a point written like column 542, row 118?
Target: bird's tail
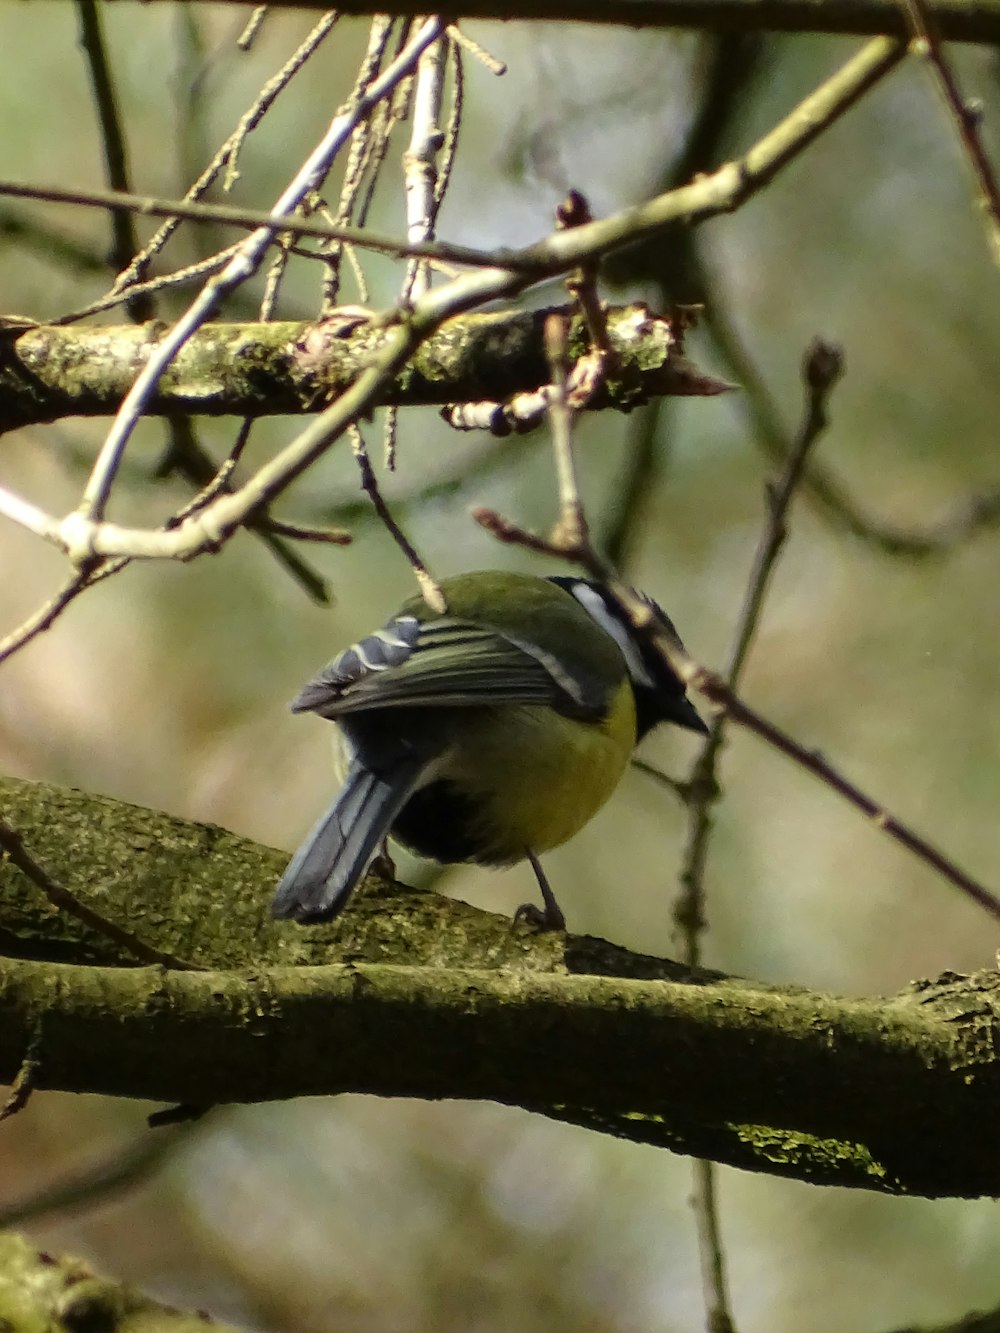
column 323, row 872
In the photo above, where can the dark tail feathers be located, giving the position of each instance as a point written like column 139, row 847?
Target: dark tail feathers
column 322, row 874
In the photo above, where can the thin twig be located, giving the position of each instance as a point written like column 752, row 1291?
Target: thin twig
column 572, row 532
column 490, row 62
column 242, row 266
column 574, row 211
column 229, row 152
column 966, row 116
column 368, row 143
column 673, row 785
column 301, row 532
column 429, row 587
column 449, row 149
column 711, row 1262
column 420, row 163
column 125, row 241
column 721, row 191
column 254, row 24
column 47, row 613
column 61, row 898
column 569, row 538
column 722, row 696
column 164, row 282
column 821, row 369
column 718, row 693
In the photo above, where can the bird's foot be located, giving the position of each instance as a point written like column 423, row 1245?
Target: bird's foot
column 550, row 916
column 541, row 918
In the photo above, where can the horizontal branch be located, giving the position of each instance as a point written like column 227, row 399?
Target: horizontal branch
column 959, row 20
column 48, row 372
column 85, row 537
column 416, row 995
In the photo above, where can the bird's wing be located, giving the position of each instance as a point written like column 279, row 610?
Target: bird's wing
column 445, row 662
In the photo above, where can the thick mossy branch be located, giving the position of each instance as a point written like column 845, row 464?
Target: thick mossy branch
column 48, row 372
column 414, row 995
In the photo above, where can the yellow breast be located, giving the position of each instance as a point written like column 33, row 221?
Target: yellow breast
column 537, row 777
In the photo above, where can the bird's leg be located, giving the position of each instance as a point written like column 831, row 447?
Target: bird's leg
column 548, row 918
column 382, row 863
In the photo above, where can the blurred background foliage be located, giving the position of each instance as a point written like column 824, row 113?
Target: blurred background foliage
column 167, row 686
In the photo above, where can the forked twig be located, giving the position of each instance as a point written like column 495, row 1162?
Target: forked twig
column 241, row 267
column 429, row 588
column 821, row 368
column 83, row 539
column 724, row 698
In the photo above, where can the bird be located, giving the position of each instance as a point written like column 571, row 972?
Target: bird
column 490, row 732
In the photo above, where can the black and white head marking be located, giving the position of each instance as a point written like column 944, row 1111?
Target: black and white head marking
column 659, row 692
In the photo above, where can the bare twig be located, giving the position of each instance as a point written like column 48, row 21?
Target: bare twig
column 965, row 115
column 420, row 163
column 368, row 144
column 717, row 692
column 711, row 1259
column 254, row 24
column 821, row 370
column 488, row 61
column 674, row 785
column 164, row 282
column 125, row 242
column 241, row 267
column 60, row 897
column 82, row 538
column 574, row 211
column 429, row 588
column 47, row 613
column 572, row 533
column 228, row 154
column 721, row 694
column 569, row 538
column 449, row 149
column 301, row 532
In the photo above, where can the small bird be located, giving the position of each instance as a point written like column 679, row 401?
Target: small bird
column 489, row 733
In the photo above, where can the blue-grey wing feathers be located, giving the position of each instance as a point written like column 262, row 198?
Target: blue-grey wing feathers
column 420, row 666
column 445, row 663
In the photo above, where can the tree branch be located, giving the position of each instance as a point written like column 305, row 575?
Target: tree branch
column 958, row 20
column 420, row 996
column 48, row 372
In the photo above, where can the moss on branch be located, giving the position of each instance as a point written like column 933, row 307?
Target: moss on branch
column 411, row 994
